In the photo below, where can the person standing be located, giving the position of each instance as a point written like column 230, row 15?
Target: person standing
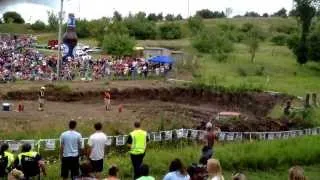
column 41, row 98
column 137, row 142
column 96, row 143
column 30, row 163
column 70, row 148
column 107, row 100
column 208, row 141
column 6, row 160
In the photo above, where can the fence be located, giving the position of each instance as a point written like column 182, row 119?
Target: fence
column 169, row 135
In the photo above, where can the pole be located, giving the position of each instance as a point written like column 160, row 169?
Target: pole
column 188, row 8
column 59, row 40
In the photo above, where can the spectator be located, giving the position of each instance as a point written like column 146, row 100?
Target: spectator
column 112, row 173
column 177, row 171
column 30, row 163
column 239, row 176
column 97, row 142
column 6, row 160
column 86, row 172
column 70, row 149
column 214, row 170
column 137, row 142
column 16, row 174
column 296, row 173
column 208, row 141
column 144, row 172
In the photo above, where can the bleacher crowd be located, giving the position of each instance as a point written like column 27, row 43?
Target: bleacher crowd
column 20, row 61
column 29, row 164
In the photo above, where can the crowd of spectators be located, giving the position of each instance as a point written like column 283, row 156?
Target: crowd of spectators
column 20, row 61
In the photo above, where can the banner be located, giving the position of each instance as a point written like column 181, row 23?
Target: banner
column 109, row 141
column 14, row 146
column 179, row 133
column 50, row 145
column 120, row 140
column 167, row 135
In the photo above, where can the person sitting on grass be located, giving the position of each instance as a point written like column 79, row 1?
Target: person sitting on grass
column 239, row 176
column 214, row 170
column 177, row 171
column 144, row 172
column 86, row 171
column 296, row 173
column 113, row 173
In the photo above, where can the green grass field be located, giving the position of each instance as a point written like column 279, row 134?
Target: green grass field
column 258, row 160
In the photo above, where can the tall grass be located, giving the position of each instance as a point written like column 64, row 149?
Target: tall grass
column 259, row 160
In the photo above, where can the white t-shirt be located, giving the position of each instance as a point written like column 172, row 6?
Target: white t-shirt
column 217, row 178
column 97, row 142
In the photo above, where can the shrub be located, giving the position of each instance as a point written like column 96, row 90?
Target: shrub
column 38, row 26
column 141, row 28
column 242, row 72
column 280, row 39
column 83, row 28
column 314, row 46
column 214, row 42
column 12, row 17
column 170, row 31
column 260, row 71
column 195, row 24
column 118, row 44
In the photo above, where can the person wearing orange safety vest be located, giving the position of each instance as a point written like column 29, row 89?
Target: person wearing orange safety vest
column 137, row 142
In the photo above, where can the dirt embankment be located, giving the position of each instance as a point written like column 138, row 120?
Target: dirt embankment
column 258, row 104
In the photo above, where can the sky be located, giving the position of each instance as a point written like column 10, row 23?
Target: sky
column 93, row 9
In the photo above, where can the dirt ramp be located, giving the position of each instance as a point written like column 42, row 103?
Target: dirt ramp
column 254, row 102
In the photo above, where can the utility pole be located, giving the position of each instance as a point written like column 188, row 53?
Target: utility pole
column 59, row 40
column 188, row 8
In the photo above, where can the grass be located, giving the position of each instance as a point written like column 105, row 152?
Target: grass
column 258, row 160
column 280, row 70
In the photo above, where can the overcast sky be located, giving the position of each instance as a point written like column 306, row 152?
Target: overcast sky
column 93, row 9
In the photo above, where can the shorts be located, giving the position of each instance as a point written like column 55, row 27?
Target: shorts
column 41, row 100
column 97, row 166
column 69, row 164
column 107, row 101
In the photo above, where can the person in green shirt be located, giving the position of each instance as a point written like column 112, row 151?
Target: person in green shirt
column 144, row 172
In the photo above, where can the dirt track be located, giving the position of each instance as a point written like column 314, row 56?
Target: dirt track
column 174, row 107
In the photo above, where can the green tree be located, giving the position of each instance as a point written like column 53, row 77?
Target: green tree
column 170, row 31
column 38, row 26
column 12, row 17
column 281, row 13
column 53, row 21
column 314, row 46
column 252, row 41
column 179, row 17
column 306, row 10
column 117, row 16
column 214, row 42
column 141, row 28
column 169, row 17
column 83, row 28
column 251, row 14
column 160, row 17
column 152, row 17
column 118, row 44
column 195, row 24
column 141, row 15
column 97, row 28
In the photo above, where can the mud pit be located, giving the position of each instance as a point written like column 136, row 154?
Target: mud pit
column 167, row 108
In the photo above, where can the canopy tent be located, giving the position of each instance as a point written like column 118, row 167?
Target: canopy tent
column 161, row 59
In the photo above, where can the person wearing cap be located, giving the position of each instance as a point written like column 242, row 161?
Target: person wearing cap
column 41, row 98
column 208, row 142
column 30, row 163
